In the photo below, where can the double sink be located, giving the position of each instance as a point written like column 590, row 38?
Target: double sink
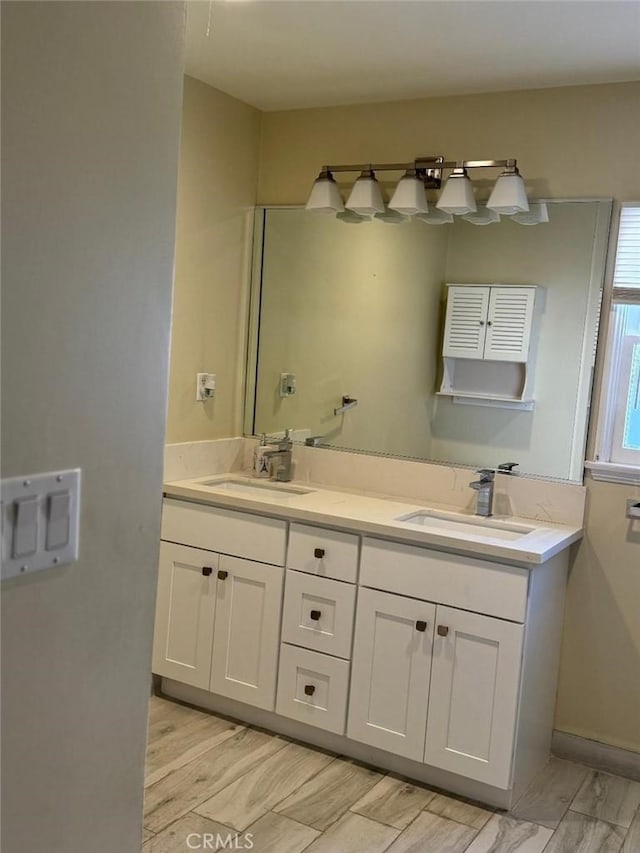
column 427, row 519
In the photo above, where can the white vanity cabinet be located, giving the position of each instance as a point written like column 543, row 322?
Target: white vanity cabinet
column 218, row 616
column 391, row 670
column 317, row 626
column 473, row 699
column 434, row 682
column 452, row 676
column 246, row 636
column 440, row 666
column 185, row 614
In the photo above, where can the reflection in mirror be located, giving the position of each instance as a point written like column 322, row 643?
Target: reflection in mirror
column 357, row 310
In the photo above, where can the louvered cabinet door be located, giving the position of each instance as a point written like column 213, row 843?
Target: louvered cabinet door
column 466, row 322
column 508, row 331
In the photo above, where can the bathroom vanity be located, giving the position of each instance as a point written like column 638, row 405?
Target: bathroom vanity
column 416, row 639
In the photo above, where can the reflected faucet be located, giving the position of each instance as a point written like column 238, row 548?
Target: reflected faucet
column 484, row 488
column 280, row 457
column 314, row 440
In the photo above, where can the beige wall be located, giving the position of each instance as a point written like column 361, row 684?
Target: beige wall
column 91, row 98
column 580, row 141
column 216, row 195
column 599, row 694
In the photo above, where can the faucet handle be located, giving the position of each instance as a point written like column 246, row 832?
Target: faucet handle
column 486, row 474
column 507, row 467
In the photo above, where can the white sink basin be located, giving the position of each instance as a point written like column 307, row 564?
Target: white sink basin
column 472, row 524
column 248, row 487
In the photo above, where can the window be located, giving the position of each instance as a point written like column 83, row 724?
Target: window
column 618, row 437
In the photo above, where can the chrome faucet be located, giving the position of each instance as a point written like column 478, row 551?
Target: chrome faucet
column 484, row 488
column 280, row 457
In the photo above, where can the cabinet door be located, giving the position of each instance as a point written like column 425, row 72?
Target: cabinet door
column 247, row 631
column 465, row 325
column 390, row 672
column 475, row 681
column 185, row 611
column 509, row 323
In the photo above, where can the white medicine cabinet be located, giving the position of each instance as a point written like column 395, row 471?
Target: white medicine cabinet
column 488, row 351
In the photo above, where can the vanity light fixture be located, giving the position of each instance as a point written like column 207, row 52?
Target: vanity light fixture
column 366, row 197
column 325, row 196
column 457, row 196
column 508, row 196
column 409, row 197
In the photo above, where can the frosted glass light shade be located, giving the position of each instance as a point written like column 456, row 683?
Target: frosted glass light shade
column 537, row 213
column 508, row 195
column 482, row 216
column 457, row 195
column 325, row 196
column 365, row 197
column 409, row 197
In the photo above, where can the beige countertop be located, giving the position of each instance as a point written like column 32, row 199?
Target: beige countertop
column 376, row 515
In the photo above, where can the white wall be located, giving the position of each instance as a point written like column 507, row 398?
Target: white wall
column 91, row 97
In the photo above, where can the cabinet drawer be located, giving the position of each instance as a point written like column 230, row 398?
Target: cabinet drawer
column 477, row 585
column 318, row 614
column 328, row 553
column 313, row 688
column 242, row 534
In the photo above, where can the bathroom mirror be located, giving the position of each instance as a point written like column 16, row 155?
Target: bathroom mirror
column 356, row 310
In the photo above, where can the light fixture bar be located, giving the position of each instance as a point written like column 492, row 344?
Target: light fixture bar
column 422, row 164
column 457, row 197
column 375, row 167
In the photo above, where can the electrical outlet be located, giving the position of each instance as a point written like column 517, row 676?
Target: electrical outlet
column 205, row 386
column 287, row 384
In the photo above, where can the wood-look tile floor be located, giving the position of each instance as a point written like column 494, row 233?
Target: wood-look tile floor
column 212, row 784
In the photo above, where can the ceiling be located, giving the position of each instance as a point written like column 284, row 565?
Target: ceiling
column 287, row 54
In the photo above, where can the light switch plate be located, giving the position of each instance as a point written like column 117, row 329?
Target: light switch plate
column 40, row 521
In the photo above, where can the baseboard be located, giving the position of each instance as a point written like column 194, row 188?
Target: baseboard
column 612, row 759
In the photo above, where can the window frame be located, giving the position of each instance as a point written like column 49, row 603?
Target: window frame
column 611, row 390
